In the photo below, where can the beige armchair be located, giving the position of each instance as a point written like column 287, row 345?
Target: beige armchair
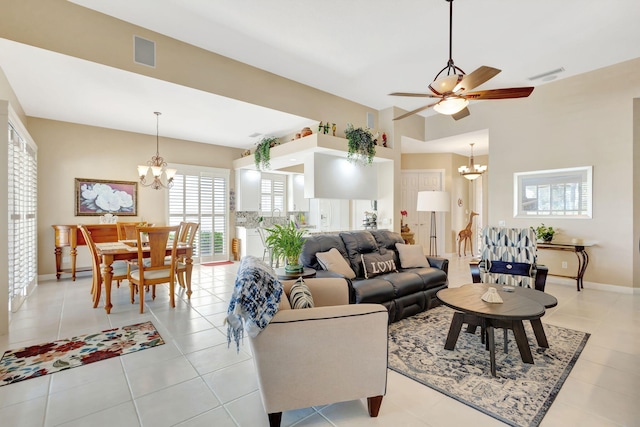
column 333, row 352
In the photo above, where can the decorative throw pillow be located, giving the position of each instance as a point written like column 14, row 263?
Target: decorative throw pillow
column 505, row 267
column 332, row 260
column 375, row 264
column 411, row 256
column 300, row 295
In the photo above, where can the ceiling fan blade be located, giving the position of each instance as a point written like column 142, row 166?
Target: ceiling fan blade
column 419, row 95
column 476, row 78
column 417, row 110
column 514, row 92
column 461, row 114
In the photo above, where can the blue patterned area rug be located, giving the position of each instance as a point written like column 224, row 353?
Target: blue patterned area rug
column 520, row 394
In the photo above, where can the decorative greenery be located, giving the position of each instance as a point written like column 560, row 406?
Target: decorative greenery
column 263, row 152
column 544, row 233
column 362, row 146
column 286, row 241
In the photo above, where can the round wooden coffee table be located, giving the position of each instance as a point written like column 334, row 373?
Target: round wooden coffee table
column 520, row 304
column 285, row 275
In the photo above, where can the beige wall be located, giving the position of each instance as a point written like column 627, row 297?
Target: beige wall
column 67, row 151
column 578, row 121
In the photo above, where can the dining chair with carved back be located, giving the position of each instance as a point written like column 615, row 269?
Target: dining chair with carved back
column 120, row 268
column 188, row 234
column 155, row 271
column 127, row 230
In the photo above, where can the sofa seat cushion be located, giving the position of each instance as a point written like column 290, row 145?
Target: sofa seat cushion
column 431, row 277
column 374, row 290
column 404, row 283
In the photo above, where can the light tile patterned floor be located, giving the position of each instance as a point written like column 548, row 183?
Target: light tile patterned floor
column 195, row 380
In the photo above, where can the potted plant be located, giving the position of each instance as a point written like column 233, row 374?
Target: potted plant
column 263, row 152
column 544, row 233
column 286, row 242
column 362, row 146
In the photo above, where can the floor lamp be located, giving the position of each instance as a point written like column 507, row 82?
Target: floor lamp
column 433, row 201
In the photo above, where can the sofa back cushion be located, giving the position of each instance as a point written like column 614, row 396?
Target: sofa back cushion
column 357, row 243
column 387, row 241
column 320, row 243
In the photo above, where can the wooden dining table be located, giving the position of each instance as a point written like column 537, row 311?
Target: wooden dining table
column 119, row 251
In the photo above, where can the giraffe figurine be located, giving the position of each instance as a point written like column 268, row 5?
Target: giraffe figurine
column 466, row 235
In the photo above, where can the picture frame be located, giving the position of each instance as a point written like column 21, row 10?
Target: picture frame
column 97, row 197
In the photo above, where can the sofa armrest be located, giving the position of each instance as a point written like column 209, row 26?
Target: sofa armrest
column 335, row 353
column 437, row 262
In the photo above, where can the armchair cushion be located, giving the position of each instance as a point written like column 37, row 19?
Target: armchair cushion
column 411, row 256
column 300, row 295
column 503, row 267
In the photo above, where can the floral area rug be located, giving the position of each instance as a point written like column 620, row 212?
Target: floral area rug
column 520, row 394
column 43, row 359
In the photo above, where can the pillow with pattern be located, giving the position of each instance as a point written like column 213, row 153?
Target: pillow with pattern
column 375, row 264
column 300, row 295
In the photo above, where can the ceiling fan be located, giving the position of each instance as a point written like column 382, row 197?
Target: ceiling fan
column 451, row 88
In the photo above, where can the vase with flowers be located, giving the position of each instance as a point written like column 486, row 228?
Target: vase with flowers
column 403, row 227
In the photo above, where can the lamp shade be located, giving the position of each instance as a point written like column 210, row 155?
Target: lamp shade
column 433, row 201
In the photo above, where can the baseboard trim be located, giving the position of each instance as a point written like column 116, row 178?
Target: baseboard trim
column 593, row 285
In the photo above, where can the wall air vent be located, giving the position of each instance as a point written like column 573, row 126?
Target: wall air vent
column 144, row 51
column 549, row 75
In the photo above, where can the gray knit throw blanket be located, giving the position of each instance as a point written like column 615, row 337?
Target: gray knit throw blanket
column 254, row 301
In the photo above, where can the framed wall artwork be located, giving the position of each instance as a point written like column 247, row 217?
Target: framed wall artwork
column 96, row 197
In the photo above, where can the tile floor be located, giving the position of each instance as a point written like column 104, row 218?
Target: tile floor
column 195, row 380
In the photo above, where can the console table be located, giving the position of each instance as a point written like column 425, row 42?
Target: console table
column 71, row 236
column 579, row 249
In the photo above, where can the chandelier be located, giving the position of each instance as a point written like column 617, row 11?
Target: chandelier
column 162, row 177
column 472, row 171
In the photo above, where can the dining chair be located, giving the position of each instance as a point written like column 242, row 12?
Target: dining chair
column 155, row 271
column 188, row 234
column 127, row 230
column 120, row 268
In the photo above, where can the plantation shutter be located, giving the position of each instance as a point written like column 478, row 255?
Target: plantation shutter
column 201, row 195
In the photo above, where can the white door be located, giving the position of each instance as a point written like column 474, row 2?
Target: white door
column 420, row 222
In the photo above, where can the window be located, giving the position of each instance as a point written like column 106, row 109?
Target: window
column 557, row 193
column 272, row 193
column 201, row 195
column 22, row 204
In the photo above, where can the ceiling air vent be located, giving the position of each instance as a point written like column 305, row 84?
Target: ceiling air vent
column 255, row 134
column 144, row 51
column 549, row 75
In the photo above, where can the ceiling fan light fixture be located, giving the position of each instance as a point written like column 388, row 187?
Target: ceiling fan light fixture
column 446, row 84
column 449, row 106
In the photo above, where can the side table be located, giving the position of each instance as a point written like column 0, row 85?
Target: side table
column 305, row 274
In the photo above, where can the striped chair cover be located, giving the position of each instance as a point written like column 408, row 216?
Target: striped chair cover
column 509, row 245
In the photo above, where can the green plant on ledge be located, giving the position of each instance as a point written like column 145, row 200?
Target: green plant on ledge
column 544, row 233
column 362, row 146
column 286, row 242
column 263, row 152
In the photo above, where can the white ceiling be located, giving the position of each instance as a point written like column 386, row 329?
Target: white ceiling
column 358, row 49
